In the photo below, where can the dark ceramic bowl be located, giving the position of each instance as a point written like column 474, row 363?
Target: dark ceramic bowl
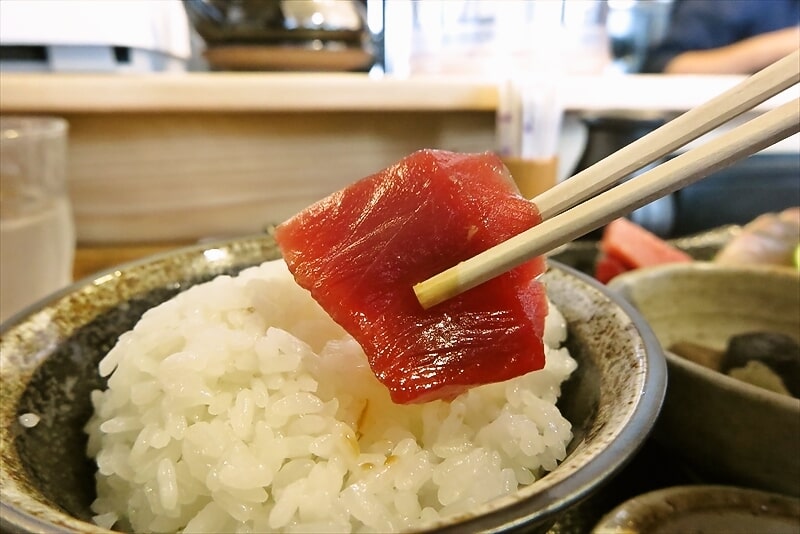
column 259, row 22
column 49, row 355
column 301, row 35
column 704, row 509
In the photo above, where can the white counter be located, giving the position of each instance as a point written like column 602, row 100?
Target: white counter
column 165, row 157
column 219, row 92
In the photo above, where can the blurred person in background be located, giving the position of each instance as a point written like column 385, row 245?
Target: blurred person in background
column 726, row 36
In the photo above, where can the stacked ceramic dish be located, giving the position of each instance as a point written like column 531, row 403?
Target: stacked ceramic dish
column 295, row 35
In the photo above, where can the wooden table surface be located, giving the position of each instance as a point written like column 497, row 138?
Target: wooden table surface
column 156, row 157
column 91, row 259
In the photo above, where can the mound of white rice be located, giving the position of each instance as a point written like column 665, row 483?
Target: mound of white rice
column 239, row 406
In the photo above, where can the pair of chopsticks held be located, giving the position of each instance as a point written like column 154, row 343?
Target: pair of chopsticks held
column 573, row 208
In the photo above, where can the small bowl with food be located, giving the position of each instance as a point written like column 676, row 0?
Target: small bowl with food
column 731, row 333
column 205, row 390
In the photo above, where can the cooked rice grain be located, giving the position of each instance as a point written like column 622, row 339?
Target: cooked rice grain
column 239, row 406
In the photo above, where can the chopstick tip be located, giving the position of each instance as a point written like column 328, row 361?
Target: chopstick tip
column 438, row 289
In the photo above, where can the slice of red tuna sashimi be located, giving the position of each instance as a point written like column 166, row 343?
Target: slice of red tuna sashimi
column 608, row 267
column 636, row 247
column 361, row 250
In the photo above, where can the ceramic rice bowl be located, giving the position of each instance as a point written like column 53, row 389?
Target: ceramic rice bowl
column 50, row 352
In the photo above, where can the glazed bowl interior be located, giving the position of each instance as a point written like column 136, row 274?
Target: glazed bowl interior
column 50, row 353
column 704, row 508
column 727, row 430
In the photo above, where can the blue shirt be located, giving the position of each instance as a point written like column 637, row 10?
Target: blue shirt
column 705, row 24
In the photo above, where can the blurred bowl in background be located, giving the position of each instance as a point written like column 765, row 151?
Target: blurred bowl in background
column 704, row 509
column 725, row 429
column 300, row 35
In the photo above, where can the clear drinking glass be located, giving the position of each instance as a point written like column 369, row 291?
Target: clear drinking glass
column 37, row 231
column 493, row 38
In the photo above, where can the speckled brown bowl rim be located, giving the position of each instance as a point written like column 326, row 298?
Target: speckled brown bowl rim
column 625, row 283
column 611, row 447
column 648, row 511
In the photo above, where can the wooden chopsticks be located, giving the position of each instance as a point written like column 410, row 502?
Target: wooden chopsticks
column 676, row 133
column 566, row 215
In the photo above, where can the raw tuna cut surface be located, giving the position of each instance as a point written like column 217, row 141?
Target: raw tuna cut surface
column 626, row 246
column 608, row 267
column 361, row 250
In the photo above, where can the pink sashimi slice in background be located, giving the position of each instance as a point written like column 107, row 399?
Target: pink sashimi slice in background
column 361, row 250
column 625, row 246
column 608, row 267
